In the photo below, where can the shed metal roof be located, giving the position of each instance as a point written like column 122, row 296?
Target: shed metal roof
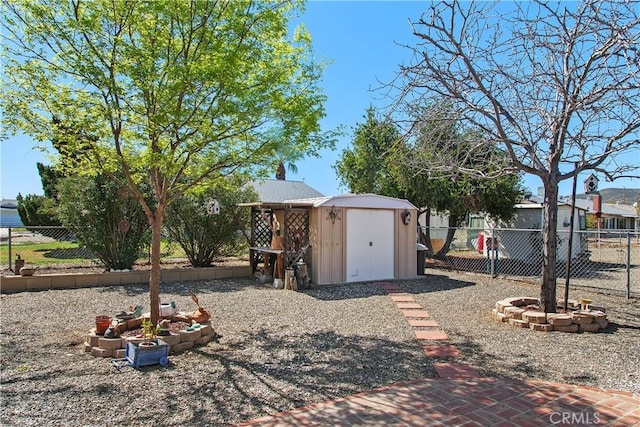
column 275, row 191
column 368, row 201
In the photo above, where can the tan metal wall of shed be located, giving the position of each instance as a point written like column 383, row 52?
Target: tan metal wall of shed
column 328, row 239
column 406, row 255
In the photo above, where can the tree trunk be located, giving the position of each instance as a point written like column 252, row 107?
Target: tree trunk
column 451, row 232
column 549, row 246
column 154, row 278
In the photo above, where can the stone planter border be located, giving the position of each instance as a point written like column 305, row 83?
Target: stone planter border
column 514, row 311
column 12, row 284
column 99, row 346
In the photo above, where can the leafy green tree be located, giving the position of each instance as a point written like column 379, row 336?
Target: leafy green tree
column 41, row 210
column 365, row 168
column 204, row 235
column 105, row 218
column 172, row 92
column 36, row 210
column 381, row 162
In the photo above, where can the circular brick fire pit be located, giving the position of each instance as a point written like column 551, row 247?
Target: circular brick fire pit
column 178, row 341
column 521, row 312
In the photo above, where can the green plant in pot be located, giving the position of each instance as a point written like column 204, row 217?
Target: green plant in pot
column 150, row 332
column 151, row 351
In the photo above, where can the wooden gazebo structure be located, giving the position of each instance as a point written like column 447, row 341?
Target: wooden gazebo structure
column 280, row 226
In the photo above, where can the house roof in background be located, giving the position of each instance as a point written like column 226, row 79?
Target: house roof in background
column 9, row 203
column 609, row 209
column 273, row 191
column 9, row 216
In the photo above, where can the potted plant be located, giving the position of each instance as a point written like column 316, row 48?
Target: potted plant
column 149, row 332
column 151, row 351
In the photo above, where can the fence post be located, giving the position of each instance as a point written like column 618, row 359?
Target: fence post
column 492, row 253
column 9, row 250
column 628, row 265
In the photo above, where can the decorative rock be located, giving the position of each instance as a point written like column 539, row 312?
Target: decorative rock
column 134, row 323
column 519, row 323
column 534, row 317
column 190, row 336
column 559, row 319
column 582, row 318
column 101, row 352
column 111, row 332
column 121, row 326
column 183, row 346
column 514, row 312
column 110, row 343
column 589, row 327
column 570, row 328
column 544, row 327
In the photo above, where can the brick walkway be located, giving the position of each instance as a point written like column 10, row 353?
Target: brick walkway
column 460, row 397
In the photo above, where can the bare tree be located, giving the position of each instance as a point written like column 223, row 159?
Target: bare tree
column 555, row 85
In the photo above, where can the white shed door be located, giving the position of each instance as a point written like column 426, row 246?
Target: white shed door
column 370, row 245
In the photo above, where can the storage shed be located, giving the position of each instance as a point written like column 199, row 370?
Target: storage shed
column 346, row 238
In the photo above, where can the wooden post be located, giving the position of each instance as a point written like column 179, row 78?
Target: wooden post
column 289, row 277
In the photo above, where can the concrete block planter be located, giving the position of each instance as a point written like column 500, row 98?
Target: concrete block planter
column 581, row 316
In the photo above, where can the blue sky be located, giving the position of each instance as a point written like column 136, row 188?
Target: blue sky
column 360, row 38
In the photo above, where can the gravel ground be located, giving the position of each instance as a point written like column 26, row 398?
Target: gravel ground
column 279, row 350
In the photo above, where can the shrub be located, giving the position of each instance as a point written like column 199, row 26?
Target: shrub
column 205, row 236
column 105, row 218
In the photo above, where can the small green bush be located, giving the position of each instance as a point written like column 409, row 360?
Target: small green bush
column 205, row 236
column 106, row 219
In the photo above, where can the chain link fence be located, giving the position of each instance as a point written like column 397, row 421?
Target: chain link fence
column 606, row 261
column 54, row 246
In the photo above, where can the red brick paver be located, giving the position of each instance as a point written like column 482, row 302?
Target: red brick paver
column 402, row 298
column 441, row 350
column 455, row 370
column 416, row 313
column 431, row 335
column 420, row 323
column 409, row 305
column 465, row 401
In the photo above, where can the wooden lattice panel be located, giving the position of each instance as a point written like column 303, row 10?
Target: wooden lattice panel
column 261, row 232
column 296, row 235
